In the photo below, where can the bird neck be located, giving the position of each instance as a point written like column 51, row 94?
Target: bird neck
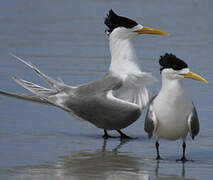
column 172, row 86
column 173, row 94
column 123, row 57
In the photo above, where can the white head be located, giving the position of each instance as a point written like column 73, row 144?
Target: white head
column 174, row 68
column 124, row 27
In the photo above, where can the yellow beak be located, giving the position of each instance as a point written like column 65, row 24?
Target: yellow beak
column 194, row 76
column 149, row 30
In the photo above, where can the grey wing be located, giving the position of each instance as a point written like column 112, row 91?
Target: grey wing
column 95, row 102
column 150, row 120
column 193, row 123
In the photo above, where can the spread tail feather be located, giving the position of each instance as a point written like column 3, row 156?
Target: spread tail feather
column 52, row 96
column 47, row 96
column 53, row 83
column 26, row 97
column 34, row 88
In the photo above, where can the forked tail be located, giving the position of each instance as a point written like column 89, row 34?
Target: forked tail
column 51, row 96
column 26, row 97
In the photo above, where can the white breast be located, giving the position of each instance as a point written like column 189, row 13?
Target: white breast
column 172, row 109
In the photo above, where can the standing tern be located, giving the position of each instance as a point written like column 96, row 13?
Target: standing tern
column 172, row 114
column 112, row 102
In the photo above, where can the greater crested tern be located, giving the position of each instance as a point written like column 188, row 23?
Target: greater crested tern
column 171, row 114
column 112, row 102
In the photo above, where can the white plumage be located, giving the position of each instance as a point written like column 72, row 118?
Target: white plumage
column 171, row 114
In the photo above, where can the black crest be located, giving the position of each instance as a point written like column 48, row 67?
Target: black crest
column 171, row 61
column 113, row 21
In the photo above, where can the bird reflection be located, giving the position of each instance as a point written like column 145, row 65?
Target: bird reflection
column 162, row 176
column 88, row 164
column 104, row 164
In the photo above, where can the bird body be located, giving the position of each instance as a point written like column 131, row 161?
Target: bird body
column 112, row 102
column 171, row 114
column 172, row 103
column 101, row 108
column 93, row 102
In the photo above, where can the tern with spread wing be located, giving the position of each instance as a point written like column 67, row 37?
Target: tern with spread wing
column 171, row 114
column 112, row 102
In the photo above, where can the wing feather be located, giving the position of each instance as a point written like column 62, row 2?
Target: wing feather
column 193, row 123
column 134, row 89
column 150, row 123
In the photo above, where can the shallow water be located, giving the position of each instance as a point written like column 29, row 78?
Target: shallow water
column 66, row 39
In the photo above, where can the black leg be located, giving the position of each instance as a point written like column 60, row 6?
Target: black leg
column 124, row 136
column 184, row 149
column 183, row 159
column 157, row 148
column 105, row 136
